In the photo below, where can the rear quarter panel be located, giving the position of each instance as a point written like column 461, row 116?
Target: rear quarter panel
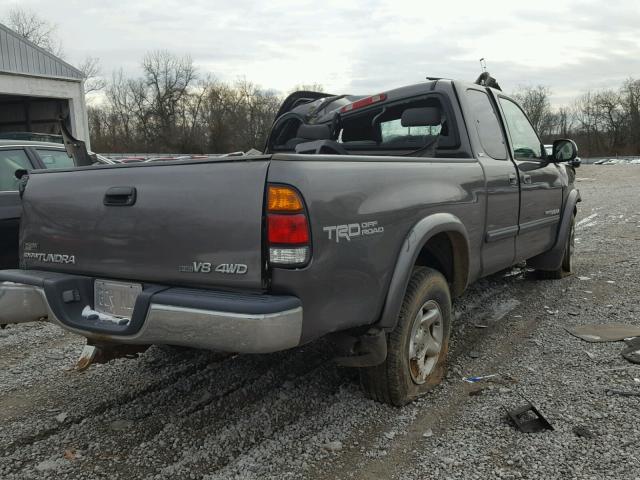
column 345, row 284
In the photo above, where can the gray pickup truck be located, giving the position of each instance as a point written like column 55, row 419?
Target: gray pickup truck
column 364, row 217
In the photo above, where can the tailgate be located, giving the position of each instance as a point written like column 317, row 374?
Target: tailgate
column 190, row 223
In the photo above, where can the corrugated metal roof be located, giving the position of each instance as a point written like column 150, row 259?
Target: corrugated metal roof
column 19, row 55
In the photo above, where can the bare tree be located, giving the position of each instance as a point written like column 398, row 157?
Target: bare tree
column 611, row 118
column 564, row 122
column 584, row 110
column 308, row 87
column 535, row 102
column 35, row 29
column 93, row 82
column 630, row 98
column 168, row 78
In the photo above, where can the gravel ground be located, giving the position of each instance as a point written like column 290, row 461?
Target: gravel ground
column 200, row 415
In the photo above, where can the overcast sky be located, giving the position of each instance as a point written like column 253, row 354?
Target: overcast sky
column 362, row 46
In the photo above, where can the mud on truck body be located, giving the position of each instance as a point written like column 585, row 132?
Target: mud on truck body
column 363, row 218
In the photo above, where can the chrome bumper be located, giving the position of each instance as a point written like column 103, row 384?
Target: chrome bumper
column 230, row 332
column 171, row 325
column 21, row 303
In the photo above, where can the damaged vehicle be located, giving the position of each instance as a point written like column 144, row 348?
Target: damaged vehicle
column 363, row 218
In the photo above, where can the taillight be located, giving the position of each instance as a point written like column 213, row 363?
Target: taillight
column 364, row 102
column 287, row 227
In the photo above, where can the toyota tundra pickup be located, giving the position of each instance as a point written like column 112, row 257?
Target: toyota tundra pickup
column 363, row 218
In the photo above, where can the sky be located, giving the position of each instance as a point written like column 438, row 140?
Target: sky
column 361, row 47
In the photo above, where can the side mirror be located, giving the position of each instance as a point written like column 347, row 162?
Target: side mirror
column 21, row 172
column 564, row 150
column 23, row 177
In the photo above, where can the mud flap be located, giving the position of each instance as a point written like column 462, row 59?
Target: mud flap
column 367, row 350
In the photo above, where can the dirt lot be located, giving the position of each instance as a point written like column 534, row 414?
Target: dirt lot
column 295, row 415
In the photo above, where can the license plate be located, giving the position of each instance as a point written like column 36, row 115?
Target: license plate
column 115, row 298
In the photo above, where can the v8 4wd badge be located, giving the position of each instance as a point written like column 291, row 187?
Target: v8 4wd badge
column 208, row 267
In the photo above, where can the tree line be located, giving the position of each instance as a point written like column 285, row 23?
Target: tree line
column 172, row 108
column 603, row 122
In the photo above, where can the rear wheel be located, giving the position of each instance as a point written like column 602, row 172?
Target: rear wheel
column 417, row 347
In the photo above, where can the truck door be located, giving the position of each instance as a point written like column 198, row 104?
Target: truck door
column 540, row 184
column 11, row 159
column 498, row 250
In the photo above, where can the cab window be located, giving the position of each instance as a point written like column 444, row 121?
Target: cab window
column 525, row 142
column 55, row 158
column 487, row 125
column 10, row 161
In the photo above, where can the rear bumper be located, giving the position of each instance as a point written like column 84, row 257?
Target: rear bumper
column 21, row 303
column 231, row 322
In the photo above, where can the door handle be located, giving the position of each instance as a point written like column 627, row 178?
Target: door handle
column 513, row 179
column 526, row 178
column 120, row 196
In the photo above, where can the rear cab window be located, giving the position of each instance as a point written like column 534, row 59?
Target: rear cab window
column 53, row 158
column 420, row 126
column 10, row 161
column 411, row 127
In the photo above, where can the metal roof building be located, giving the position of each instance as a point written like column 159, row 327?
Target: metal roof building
column 36, row 87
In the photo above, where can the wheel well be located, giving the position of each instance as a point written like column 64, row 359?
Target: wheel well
column 447, row 252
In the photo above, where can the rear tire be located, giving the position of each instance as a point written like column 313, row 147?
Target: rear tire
column 566, row 268
column 418, row 345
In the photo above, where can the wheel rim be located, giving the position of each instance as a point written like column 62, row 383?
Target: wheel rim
column 426, row 341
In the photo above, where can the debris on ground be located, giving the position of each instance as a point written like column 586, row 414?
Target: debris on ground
column 478, row 379
column 611, row 332
column 121, row 425
column 583, row 432
column 61, row 417
column 623, row 393
column 333, row 446
column 632, row 351
column 528, row 418
column 476, row 389
column 71, row 454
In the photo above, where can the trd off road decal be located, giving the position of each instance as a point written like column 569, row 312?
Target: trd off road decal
column 353, row 231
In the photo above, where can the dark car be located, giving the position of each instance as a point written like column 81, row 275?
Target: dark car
column 16, row 155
